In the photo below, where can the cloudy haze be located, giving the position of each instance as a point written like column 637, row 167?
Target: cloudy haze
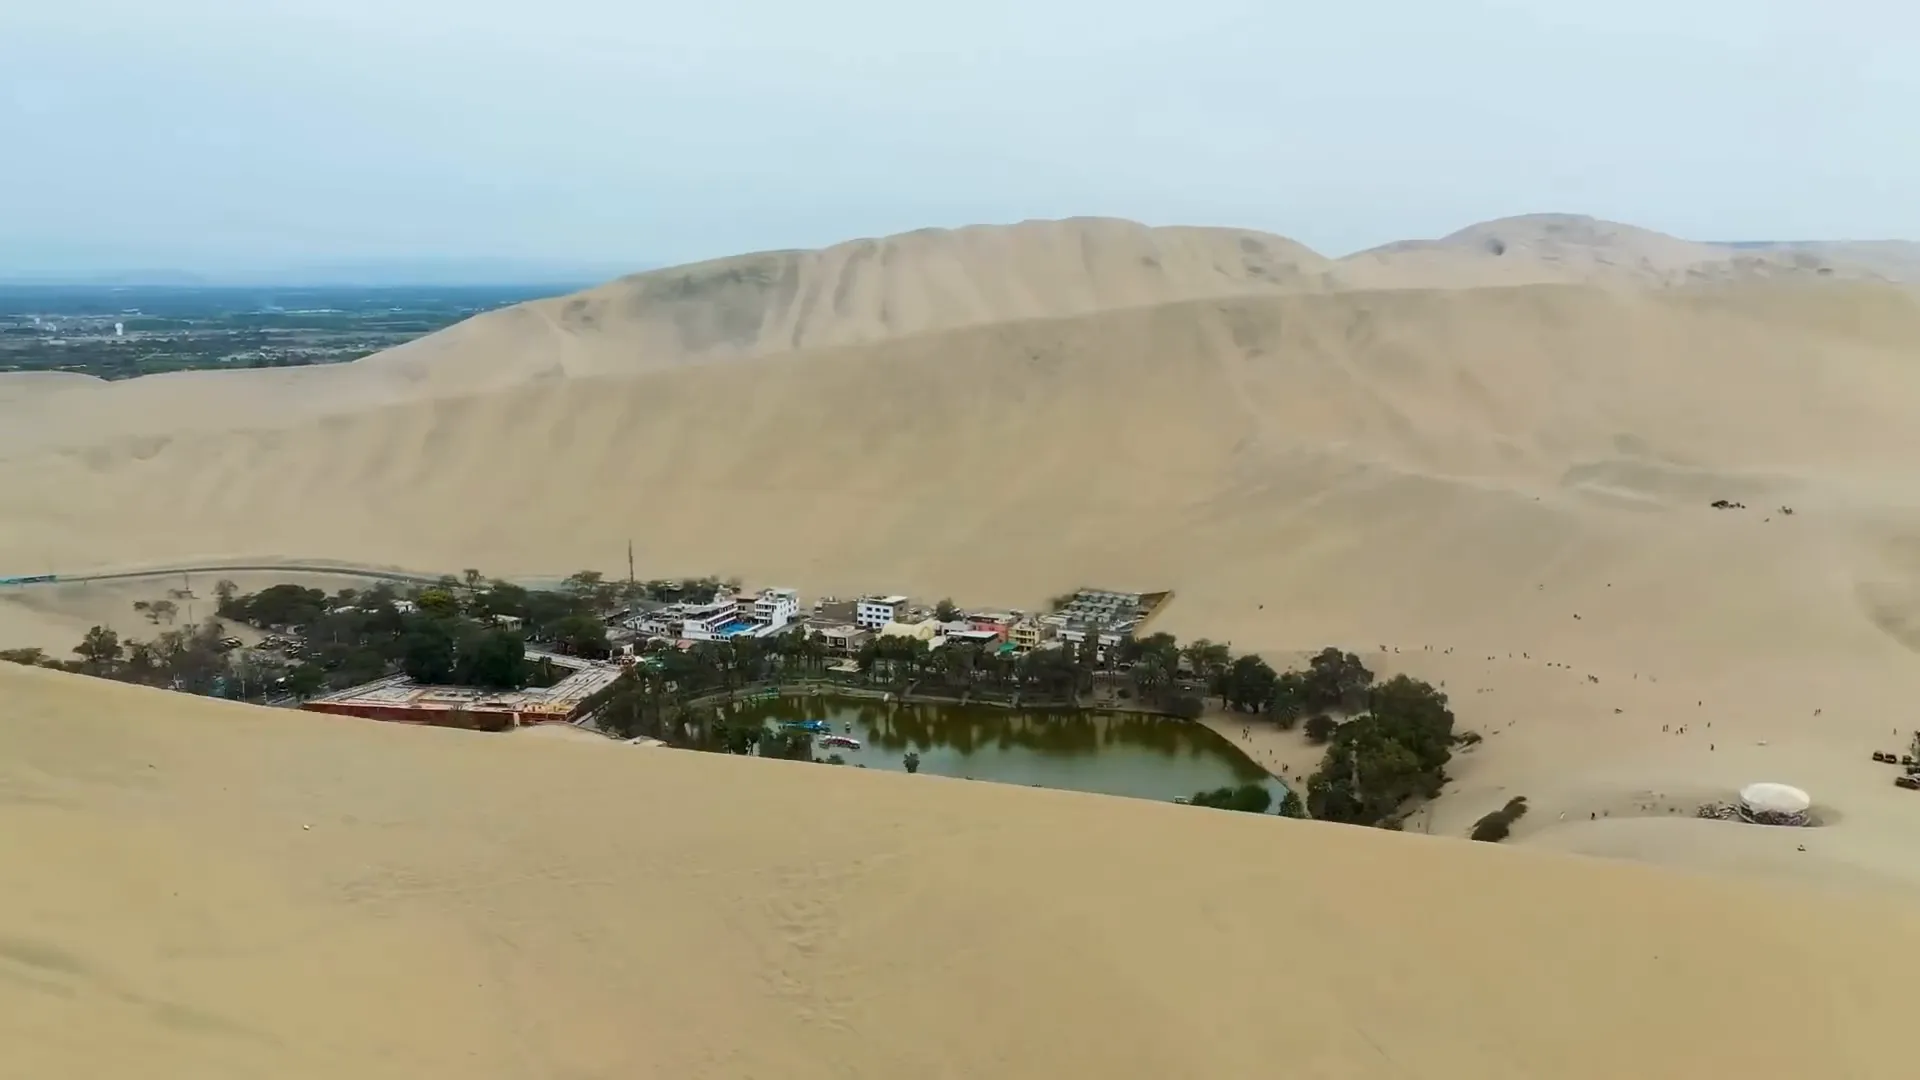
column 221, row 134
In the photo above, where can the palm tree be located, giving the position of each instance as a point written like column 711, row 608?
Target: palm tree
column 1150, row 676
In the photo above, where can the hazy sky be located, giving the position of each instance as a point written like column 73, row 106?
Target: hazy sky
column 211, row 134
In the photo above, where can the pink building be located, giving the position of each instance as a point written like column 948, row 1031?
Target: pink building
column 991, row 622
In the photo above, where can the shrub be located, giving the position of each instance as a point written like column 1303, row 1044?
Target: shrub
column 1320, row 728
column 1249, row 798
column 1494, row 827
column 1186, row 707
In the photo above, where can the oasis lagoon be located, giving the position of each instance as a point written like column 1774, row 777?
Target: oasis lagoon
column 1146, row 757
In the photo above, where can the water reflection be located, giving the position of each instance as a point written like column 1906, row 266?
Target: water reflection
column 1115, row 754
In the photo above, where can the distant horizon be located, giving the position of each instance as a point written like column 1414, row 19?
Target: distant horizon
column 363, row 274
column 507, row 271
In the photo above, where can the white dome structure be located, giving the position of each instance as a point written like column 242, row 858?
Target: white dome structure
column 1774, row 804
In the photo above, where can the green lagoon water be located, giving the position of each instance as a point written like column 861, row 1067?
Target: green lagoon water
column 1108, row 753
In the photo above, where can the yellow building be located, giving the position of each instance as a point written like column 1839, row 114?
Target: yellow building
column 1026, row 634
column 925, row 630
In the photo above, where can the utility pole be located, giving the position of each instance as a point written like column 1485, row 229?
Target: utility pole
column 629, row 564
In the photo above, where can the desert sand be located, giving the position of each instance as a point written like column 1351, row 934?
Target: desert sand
column 54, row 617
column 201, row 890
column 1484, row 460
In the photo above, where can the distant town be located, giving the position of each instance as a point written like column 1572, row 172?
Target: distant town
column 695, row 663
column 121, row 333
column 640, row 629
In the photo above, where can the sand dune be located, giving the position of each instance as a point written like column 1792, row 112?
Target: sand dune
column 874, row 291
column 751, row 305
column 1156, row 442
column 1894, row 260
column 1536, row 248
column 1506, row 486
column 218, row 891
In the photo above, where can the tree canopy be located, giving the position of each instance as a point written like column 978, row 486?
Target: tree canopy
column 1394, row 752
column 1248, row 798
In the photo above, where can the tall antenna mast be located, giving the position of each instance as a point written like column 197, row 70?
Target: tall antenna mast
column 629, row 561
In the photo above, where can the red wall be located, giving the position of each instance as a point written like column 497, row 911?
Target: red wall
column 475, row 719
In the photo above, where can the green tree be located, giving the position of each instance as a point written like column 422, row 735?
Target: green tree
column 99, row 650
column 27, row 657
column 945, row 611
column 1150, row 676
column 1208, row 661
column 582, row 635
column 1416, row 714
column 1337, row 680
column 1087, row 649
column 1291, row 806
column 143, row 663
column 1249, row 684
column 494, row 659
column 192, row 661
column 1247, row 798
column 590, row 590
column 427, row 653
column 224, row 593
column 503, row 598
column 306, row 680
column 1321, row 727
column 1375, row 763
column 1291, row 697
column 788, row 745
column 280, row 606
column 438, row 601
column 911, row 761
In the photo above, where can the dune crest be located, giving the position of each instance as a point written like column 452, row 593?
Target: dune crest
column 1535, row 248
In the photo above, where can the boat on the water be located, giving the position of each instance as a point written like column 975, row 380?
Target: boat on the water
column 844, row 742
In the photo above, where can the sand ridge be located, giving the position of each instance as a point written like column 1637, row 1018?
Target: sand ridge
column 878, row 290
column 552, row 909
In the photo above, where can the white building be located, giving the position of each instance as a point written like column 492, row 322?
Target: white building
column 874, row 612
column 705, row 622
column 665, row 622
column 775, row 608
column 1110, row 637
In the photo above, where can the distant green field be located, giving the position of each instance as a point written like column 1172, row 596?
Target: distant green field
column 121, row 333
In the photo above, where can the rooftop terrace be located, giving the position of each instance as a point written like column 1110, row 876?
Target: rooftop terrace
column 400, row 692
